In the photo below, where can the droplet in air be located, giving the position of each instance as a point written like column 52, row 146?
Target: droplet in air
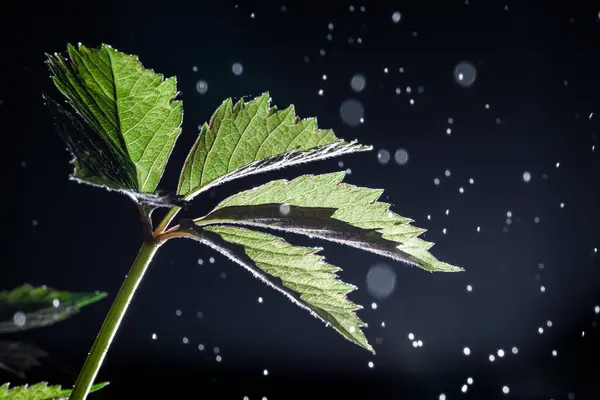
column 470, row 380
column 447, row 173
column 500, row 353
column 19, row 319
column 358, row 83
column 211, row 260
column 467, row 351
column 436, row 181
column 396, row 16
column 185, row 340
column 374, row 306
column 505, row 389
column 371, row 364
column 351, row 112
column 265, row 372
column 469, row 288
column 200, row 261
column 465, row 73
column 178, row 313
column 381, row 281
column 284, row 209
column 492, row 358
column 55, row 303
column 202, row 86
column 201, row 347
column 464, row 388
column 383, row 156
column 526, row 177
column 411, row 336
column 154, row 337
column 237, row 68
column 401, row 157
column 260, row 299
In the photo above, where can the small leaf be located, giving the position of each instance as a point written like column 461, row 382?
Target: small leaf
column 17, row 358
column 28, row 307
column 324, row 207
column 249, row 138
column 298, row 272
column 128, row 120
column 39, row 391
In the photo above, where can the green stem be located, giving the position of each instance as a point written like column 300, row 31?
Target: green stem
column 162, row 226
column 113, row 320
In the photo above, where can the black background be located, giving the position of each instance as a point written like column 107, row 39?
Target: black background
column 537, row 68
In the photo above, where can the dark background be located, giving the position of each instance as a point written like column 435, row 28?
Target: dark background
column 537, row 67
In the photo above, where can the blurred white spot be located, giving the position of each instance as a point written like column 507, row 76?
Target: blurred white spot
column 505, row 389
column 371, row 364
column 237, row 68
column 542, row 289
column 401, row 156
column 201, row 86
column 415, row 344
column 492, row 358
column 411, row 101
column 469, row 288
column 450, row 121
column 219, row 358
column 487, row 106
column 260, row 299
column 500, row 353
column 447, row 173
column 201, row 347
column 320, row 92
column 515, row 350
column 216, row 350
column 154, row 337
column 470, row 380
column 185, row 340
column 396, row 16
column 420, row 343
column 509, row 214
column 536, row 220
column 549, row 324
column 55, row 303
column 471, row 181
column 352, row 329
column 478, row 229
column 597, row 309
column 447, row 211
column 562, row 205
column 401, row 70
column 540, row 330
column 383, row 156
column 385, row 70
column 178, row 313
column 374, row 306
column 461, row 189
column 381, row 281
column 467, row 351
column 408, row 89
column 465, row 73
column 211, row 260
column 464, row 388
column 324, row 77
column 526, row 177
column 436, row 181
column 444, row 231
column 383, row 324
column 442, row 397
column 358, row 83
column 557, row 164
column 330, row 26
column 265, row 372
column 34, row 222
column 200, row 261
column 195, row 69
column 284, row 209
column 398, row 90
column 448, row 131
column 411, row 336
column 351, row 112
column 252, row 15
column 554, row 353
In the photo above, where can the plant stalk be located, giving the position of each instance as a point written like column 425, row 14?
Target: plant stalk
column 113, row 319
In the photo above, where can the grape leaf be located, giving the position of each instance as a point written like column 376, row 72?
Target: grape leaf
column 39, row 391
column 324, row 207
column 298, row 272
column 249, row 138
column 28, row 307
column 128, row 118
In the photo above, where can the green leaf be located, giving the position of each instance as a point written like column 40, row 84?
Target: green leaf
column 298, row 272
column 324, row 207
column 128, row 120
column 39, row 391
column 28, row 307
column 249, row 138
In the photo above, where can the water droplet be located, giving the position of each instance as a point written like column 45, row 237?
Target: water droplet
column 465, row 73
column 401, row 157
column 420, row 343
column 200, row 261
column 597, row 309
column 540, row 330
column 464, row 388
column 469, row 288
column 321, row 92
column 505, row 389
column 562, row 205
column 34, row 222
column 178, row 313
column 447, row 173
column 411, row 336
column 202, row 86
column 358, row 83
column 211, row 260
column 324, row 77
column 351, row 112
column 201, row 347
column 470, row 380
column 154, row 336
column 219, row 358
column 284, row 209
column 492, row 358
column 448, row 131
column 415, row 344
column 55, row 303
column 467, row 351
column 260, row 299
column 554, row 353
column 374, row 306
column 478, row 229
column 371, row 364
column 500, row 353
column 237, row 68
column 442, row 397
column 383, row 156
column 542, row 289
column 216, row 350
column 436, row 181
column 411, row 101
column 185, row 340
column 549, row 324
column 526, row 177
column 381, row 281
column 265, row 372
column 396, row 16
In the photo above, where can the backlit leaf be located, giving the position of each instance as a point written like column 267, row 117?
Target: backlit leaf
column 324, row 207
column 28, row 307
column 126, row 122
column 251, row 137
column 298, row 272
column 39, row 391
